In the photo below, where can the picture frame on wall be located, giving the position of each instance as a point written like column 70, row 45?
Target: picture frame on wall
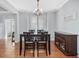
column 71, row 17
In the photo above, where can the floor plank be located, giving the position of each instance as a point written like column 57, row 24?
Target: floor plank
column 7, row 50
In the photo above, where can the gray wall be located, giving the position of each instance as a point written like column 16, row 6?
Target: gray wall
column 25, row 19
column 51, row 23
column 23, row 22
column 2, row 9
column 68, row 19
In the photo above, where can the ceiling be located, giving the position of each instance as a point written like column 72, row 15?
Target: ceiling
column 30, row 5
column 2, row 9
column 5, row 6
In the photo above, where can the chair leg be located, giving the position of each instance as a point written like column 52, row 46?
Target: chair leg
column 37, row 51
column 24, row 49
column 46, row 50
column 24, row 52
column 33, row 51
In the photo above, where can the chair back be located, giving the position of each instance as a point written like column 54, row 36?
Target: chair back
column 42, row 37
column 45, row 33
column 32, row 31
column 27, row 36
column 40, row 30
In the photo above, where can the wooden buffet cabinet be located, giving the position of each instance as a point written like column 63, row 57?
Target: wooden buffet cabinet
column 67, row 43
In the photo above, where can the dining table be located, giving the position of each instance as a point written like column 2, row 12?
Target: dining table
column 35, row 36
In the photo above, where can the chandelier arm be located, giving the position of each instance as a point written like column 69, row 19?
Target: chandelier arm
column 38, row 10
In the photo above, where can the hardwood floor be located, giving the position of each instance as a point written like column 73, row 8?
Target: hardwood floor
column 9, row 51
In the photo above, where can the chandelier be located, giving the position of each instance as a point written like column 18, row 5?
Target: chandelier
column 38, row 10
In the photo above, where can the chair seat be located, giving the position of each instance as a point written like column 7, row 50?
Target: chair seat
column 29, row 47
column 29, row 42
column 41, row 41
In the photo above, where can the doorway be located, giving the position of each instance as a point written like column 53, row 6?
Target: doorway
column 9, row 28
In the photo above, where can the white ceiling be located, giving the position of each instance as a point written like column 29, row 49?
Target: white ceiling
column 4, row 4
column 30, row 5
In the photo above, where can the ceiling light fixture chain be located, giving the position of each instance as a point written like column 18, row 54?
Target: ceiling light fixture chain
column 38, row 4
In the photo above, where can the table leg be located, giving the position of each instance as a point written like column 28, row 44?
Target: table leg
column 20, row 44
column 49, row 45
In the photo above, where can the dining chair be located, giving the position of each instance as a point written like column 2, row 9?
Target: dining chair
column 40, row 30
column 28, row 43
column 32, row 31
column 41, row 44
